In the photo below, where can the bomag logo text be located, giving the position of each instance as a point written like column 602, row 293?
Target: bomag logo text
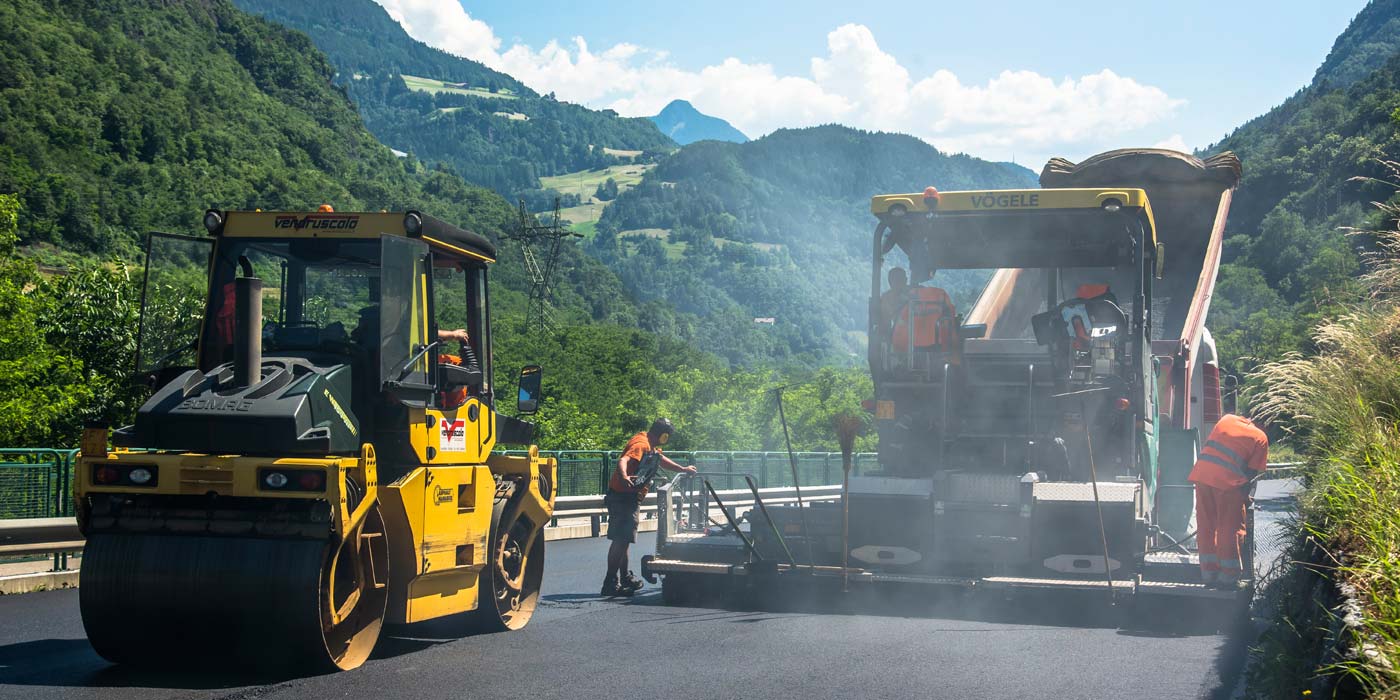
column 1004, row 201
column 215, row 405
column 318, row 222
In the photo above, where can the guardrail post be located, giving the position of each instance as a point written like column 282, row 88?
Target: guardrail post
column 60, row 559
column 602, row 475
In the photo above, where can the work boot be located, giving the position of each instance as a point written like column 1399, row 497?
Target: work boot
column 630, row 582
column 611, row 589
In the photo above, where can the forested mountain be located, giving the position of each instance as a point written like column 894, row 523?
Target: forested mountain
column 1288, row 257
column 775, row 228
column 1367, row 44
column 117, row 119
column 485, row 125
column 685, row 124
column 361, row 38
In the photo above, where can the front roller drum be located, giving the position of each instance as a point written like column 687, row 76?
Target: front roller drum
column 235, row 602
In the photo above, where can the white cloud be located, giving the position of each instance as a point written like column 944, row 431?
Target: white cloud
column 1173, row 142
column 445, row 25
column 855, row 83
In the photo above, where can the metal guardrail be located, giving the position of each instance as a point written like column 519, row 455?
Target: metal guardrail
column 39, row 536
column 585, row 472
column 59, row 535
column 36, row 485
column 591, row 507
column 50, row 535
column 1284, row 470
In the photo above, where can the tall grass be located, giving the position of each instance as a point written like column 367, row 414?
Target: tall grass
column 1341, row 403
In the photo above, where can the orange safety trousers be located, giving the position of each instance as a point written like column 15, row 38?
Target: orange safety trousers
column 1220, row 523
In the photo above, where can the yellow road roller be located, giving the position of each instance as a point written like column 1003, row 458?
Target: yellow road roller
column 316, row 458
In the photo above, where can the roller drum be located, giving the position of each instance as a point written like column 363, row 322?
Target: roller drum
column 232, row 602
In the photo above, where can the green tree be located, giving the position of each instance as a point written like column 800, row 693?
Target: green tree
column 39, row 386
column 607, row 191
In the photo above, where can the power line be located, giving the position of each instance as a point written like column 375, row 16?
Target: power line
column 540, row 245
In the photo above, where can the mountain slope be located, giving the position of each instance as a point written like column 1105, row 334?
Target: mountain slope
column 1366, row 45
column 1288, row 259
column 685, row 124
column 361, row 38
column 120, row 119
column 1301, row 154
column 775, row 228
column 485, row 125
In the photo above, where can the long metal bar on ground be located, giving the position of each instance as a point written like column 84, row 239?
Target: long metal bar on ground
column 758, row 501
column 753, row 551
column 796, row 482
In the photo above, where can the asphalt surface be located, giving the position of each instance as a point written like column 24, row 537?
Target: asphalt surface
column 581, row 646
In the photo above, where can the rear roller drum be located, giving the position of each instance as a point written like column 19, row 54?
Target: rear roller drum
column 236, row 602
column 509, row 587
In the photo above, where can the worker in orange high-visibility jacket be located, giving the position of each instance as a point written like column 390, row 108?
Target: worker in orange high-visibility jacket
column 1233, row 458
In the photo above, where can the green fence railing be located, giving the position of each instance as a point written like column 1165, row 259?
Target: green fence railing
column 36, row 482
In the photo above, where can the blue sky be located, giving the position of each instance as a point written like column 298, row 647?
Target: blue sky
column 1082, row 79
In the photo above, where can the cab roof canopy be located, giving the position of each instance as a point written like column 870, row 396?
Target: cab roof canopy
column 441, row 236
column 1020, row 228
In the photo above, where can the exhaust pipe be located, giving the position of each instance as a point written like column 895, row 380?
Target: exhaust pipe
column 247, row 333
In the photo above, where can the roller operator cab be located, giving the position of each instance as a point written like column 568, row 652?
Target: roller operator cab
column 317, row 455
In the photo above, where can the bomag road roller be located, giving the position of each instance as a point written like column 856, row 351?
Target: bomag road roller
column 1042, row 374
column 316, row 457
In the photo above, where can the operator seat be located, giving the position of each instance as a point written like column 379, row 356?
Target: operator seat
column 1084, row 335
column 925, row 334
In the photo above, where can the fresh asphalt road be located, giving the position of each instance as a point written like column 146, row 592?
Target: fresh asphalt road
column 580, row 646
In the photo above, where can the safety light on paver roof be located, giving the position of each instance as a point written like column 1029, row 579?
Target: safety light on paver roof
column 213, row 220
column 413, row 223
column 931, row 200
column 326, row 209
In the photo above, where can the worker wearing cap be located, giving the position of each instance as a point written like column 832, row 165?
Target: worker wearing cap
column 893, row 301
column 1233, row 458
column 626, row 489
